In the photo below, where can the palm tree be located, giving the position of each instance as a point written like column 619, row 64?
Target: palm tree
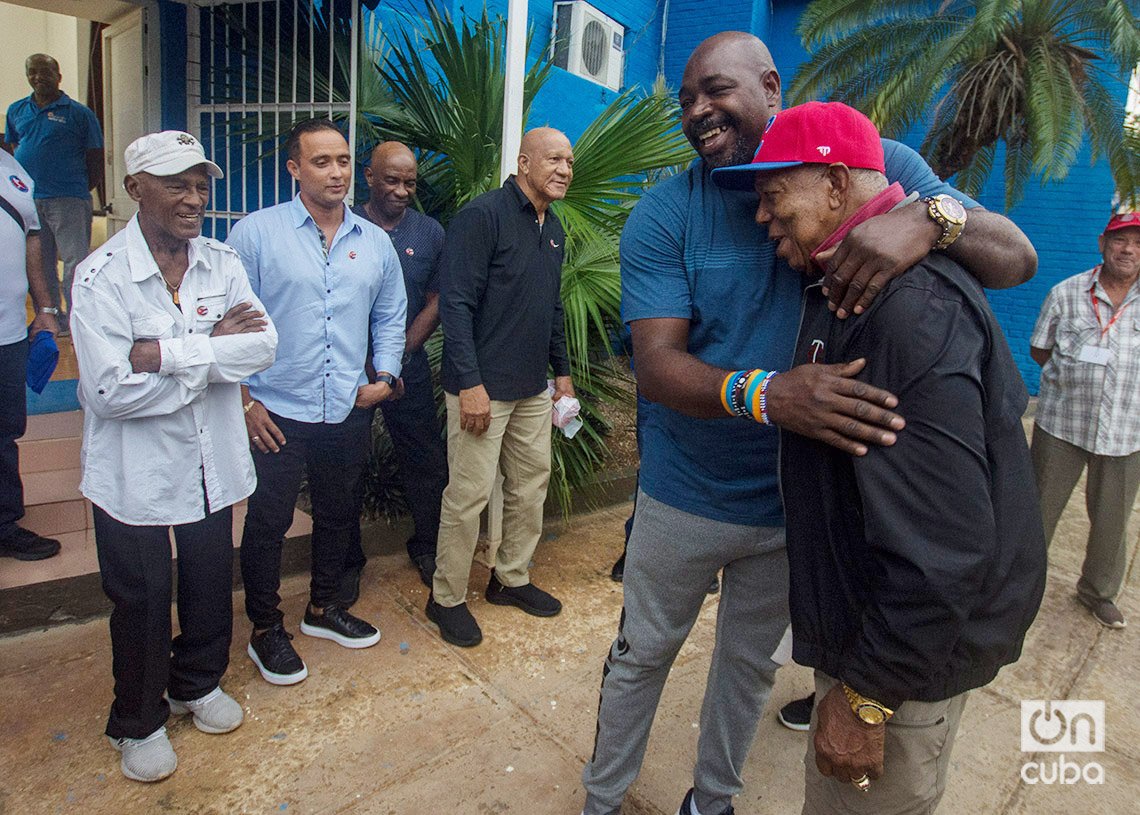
column 1035, row 75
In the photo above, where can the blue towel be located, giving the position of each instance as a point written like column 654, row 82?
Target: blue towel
column 43, row 355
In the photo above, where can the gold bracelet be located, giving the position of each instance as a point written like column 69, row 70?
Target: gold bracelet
column 249, row 406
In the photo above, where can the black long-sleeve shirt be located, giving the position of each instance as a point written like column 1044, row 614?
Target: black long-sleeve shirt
column 917, row 568
column 500, row 297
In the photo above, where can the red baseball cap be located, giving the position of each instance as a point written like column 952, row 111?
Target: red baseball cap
column 811, row 133
column 1122, row 220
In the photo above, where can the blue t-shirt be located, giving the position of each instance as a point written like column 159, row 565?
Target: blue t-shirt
column 694, row 251
column 52, row 144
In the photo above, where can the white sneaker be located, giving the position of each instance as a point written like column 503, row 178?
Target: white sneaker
column 216, row 712
column 149, row 759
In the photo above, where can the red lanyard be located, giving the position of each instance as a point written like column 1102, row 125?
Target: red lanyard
column 1096, row 311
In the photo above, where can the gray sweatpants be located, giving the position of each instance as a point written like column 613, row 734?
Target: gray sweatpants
column 671, row 559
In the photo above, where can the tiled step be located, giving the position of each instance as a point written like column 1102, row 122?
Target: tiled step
column 77, row 555
column 51, row 487
column 44, row 455
column 53, row 520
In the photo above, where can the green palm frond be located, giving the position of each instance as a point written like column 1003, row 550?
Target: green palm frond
column 1030, row 74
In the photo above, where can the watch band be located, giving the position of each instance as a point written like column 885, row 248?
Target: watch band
column 387, row 379
column 49, row 310
column 867, row 709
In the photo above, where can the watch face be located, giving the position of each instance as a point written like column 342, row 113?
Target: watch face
column 951, row 208
column 871, row 714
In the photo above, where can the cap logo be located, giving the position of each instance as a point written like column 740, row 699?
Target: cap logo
column 823, row 150
column 185, row 139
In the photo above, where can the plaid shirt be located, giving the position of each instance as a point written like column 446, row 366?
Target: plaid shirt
column 1096, row 407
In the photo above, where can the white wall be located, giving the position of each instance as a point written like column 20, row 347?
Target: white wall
column 26, row 31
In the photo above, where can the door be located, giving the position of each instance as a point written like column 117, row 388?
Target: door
column 124, row 100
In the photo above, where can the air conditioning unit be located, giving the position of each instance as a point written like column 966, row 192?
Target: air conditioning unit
column 588, row 43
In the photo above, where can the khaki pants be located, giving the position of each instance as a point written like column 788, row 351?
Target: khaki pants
column 518, row 443
column 916, row 756
column 1109, row 494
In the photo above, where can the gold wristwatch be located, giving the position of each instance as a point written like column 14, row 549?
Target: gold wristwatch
column 868, row 710
column 948, row 213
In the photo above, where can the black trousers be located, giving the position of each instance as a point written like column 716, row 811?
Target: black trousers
column 421, row 457
column 13, row 423
column 333, row 456
column 134, row 563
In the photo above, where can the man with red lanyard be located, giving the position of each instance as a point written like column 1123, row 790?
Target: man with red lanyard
column 1087, row 342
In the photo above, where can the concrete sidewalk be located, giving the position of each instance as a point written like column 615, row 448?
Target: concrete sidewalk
column 416, row 726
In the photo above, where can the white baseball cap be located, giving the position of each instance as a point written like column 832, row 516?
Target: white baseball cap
column 167, row 153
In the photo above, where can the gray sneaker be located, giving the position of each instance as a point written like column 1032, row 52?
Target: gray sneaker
column 149, row 759
column 216, row 712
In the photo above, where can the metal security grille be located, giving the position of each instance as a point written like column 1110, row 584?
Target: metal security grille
column 256, row 67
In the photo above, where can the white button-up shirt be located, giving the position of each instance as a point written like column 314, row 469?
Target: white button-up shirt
column 152, row 440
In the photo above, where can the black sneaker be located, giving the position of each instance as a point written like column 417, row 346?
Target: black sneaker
column 24, row 544
column 686, row 807
column 350, row 586
column 456, row 624
column 425, row 565
column 338, row 625
column 530, row 598
column 617, row 573
column 274, row 656
column 797, row 715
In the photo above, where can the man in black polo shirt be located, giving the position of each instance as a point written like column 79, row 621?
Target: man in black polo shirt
column 412, row 421
column 502, row 327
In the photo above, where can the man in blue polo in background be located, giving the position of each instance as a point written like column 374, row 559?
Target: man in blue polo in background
column 59, row 142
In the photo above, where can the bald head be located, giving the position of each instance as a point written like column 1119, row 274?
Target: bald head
column 546, row 166
column 729, row 89
column 391, row 176
column 44, row 76
column 737, row 46
column 391, row 151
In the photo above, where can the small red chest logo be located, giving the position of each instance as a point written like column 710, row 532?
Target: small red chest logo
column 352, row 255
column 203, row 311
column 409, row 251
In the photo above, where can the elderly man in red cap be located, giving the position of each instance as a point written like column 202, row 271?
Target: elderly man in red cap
column 917, row 568
column 1088, row 412
column 166, row 327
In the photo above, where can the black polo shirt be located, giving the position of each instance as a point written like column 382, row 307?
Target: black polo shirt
column 418, row 239
column 500, row 297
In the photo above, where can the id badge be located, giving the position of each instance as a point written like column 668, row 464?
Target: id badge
column 1095, row 355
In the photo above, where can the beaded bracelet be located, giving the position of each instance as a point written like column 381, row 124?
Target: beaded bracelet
column 763, row 399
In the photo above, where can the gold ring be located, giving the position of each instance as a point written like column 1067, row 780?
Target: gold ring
column 862, row 783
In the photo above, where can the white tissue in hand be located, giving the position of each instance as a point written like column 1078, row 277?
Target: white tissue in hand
column 565, row 409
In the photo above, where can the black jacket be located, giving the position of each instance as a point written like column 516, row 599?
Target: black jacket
column 916, row 569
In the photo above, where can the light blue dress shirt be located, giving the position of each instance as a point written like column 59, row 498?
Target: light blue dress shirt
column 323, row 306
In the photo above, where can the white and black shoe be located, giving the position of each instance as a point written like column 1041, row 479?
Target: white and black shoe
column 338, row 625
column 275, row 657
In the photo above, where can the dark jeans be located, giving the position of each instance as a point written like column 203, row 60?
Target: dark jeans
column 134, row 563
column 13, row 423
column 334, row 457
column 421, row 457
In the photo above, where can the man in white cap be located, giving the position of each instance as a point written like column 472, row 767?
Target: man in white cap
column 166, row 327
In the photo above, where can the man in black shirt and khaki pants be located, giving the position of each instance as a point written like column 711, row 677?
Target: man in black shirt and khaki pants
column 502, row 325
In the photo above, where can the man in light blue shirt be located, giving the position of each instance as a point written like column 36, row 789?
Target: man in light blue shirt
column 329, row 280
column 59, row 142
